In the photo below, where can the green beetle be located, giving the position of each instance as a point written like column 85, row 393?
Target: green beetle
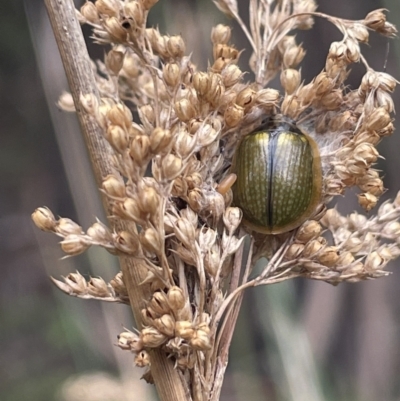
column 279, row 177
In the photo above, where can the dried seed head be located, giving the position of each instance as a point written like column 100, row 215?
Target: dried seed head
column 118, row 285
column 233, row 115
column 293, row 56
column 378, row 119
column 160, row 140
column 184, row 329
column 148, row 200
column 98, row 287
column 44, row 219
column 359, row 32
column 127, row 243
column 176, row 298
column 294, row 251
column 152, row 338
column 74, row 244
column 151, row 241
column 185, row 232
column 309, row 230
column 166, row 325
column 246, row 98
column 375, row 20
column 220, row 34
column 115, row 29
column 171, row 166
column 232, row 218
column 142, row 359
column 171, row 74
column 200, row 340
column 159, row 303
column 114, row 61
column 367, row 201
column 76, row 282
column 108, row 8
column 373, row 261
column 128, row 209
column 200, row 83
column 117, row 137
column 345, row 259
column 134, row 10
column 328, row 256
column 67, row 226
column 231, row 75
column 176, row 47
column 140, row 149
column 212, row 260
column 314, row 247
column 129, row 341
column 119, row 114
column 89, row 11
column 185, row 110
column 290, row 80
column 114, row 186
column 225, row 52
column 99, row 232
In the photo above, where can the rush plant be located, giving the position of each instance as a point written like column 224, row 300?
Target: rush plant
column 167, row 177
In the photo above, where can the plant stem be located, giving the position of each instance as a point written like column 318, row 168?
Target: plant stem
column 81, row 80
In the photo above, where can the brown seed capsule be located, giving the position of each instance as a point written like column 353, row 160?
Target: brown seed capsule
column 220, row 34
column 184, row 329
column 140, row 149
column 142, row 359
column 176, row 298
column 166, row 325
column 328, row 256
column 134, row 10
column 114, row 186
column 44, row 219
column 152, row 338
column 373, row 261
column 171, row 166
column 184, row 110
column 309, row 230
column 171, row 74
column 294, row 251
column 233, row 115
column 89, row 11
column 367, row 201
column 74, row 244
column 148, row 200
column 67, row 226
column 117, row 138
column 99, row 232
column 151, row 240
column 200, row 340
column 115, row 29
column 176, row 47
column 127, row 243
column 290, row 80
column 114, row 61
column 107, row 7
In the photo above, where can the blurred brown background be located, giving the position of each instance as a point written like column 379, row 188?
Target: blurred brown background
column 296, row 341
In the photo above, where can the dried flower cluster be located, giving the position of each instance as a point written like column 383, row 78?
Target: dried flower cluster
column 172, row 176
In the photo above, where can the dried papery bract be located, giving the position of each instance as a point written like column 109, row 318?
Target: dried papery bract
column 174, row 131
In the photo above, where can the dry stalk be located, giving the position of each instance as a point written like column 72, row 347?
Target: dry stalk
column 180, row 241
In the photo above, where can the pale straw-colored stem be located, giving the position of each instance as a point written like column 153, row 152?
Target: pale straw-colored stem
column 81, row 81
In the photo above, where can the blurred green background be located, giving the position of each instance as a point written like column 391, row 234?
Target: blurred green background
column 295, row 341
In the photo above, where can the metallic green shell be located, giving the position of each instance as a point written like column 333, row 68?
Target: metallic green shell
column 279, row 180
